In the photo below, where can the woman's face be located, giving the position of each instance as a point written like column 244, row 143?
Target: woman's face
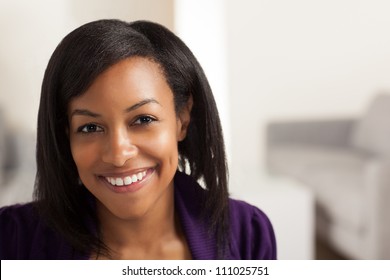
column 123, row 136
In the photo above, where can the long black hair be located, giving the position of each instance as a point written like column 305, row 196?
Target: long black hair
column 76, row 62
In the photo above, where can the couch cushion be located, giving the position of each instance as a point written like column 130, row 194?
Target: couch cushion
column 336, row 177
column 372, row 133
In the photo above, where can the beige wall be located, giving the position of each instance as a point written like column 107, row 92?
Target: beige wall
column 30, row 30
column 301, row 59
column 155, row 10
column 207, row 39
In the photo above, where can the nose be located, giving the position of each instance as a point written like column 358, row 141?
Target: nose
column 119, row 148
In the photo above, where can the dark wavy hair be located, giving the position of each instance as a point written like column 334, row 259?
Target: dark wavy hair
column 76, row 62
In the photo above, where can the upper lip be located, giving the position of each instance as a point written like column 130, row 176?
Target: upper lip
column 124, row 173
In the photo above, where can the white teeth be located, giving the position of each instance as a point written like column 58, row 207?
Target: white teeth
column 119, row 181
column 128, row 180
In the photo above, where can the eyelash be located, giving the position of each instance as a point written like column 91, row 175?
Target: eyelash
column 144, row 120
column 139, row 121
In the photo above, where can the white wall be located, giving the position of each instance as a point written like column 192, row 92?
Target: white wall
column 202, row 26
column 301, row 59
column 30, row 31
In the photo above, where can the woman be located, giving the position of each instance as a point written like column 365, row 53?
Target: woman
column 127, row 125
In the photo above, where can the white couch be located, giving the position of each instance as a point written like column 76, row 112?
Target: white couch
column 347, row 165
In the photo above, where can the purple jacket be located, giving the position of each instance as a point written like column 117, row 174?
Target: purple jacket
column 24, row 235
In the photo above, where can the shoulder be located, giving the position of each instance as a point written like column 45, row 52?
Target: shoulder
column 16, row 224
column 24, row 235
column 251, row 232
column 17, row 217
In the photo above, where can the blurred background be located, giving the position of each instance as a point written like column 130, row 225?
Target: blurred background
column 270, row 63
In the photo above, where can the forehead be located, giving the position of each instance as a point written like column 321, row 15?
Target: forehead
column 128, row 81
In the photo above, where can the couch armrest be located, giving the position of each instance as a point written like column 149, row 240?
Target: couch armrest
column 332, row 132
column 377, row 205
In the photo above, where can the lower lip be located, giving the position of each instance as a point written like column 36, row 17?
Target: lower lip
column 129, row 188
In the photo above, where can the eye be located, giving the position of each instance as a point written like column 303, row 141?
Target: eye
column 90, row 128
column 144, row 120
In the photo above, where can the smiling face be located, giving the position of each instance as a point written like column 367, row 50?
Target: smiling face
column 123, row 134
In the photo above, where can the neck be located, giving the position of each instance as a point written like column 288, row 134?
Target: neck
column 141, row 237
column 143, row 230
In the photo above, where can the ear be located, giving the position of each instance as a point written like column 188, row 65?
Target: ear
column 184, row 119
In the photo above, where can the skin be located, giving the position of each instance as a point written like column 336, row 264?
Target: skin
column 125, row 123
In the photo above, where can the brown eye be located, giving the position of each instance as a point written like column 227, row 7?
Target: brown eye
column 143, row 120
column 90, row 128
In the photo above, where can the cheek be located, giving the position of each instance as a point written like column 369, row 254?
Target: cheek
column 83, row 154
column 162, row 145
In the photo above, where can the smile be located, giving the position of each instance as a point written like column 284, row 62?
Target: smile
column 127, row 180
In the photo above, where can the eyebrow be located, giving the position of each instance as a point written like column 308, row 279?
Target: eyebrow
column 141, row 103
column 85, row 112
